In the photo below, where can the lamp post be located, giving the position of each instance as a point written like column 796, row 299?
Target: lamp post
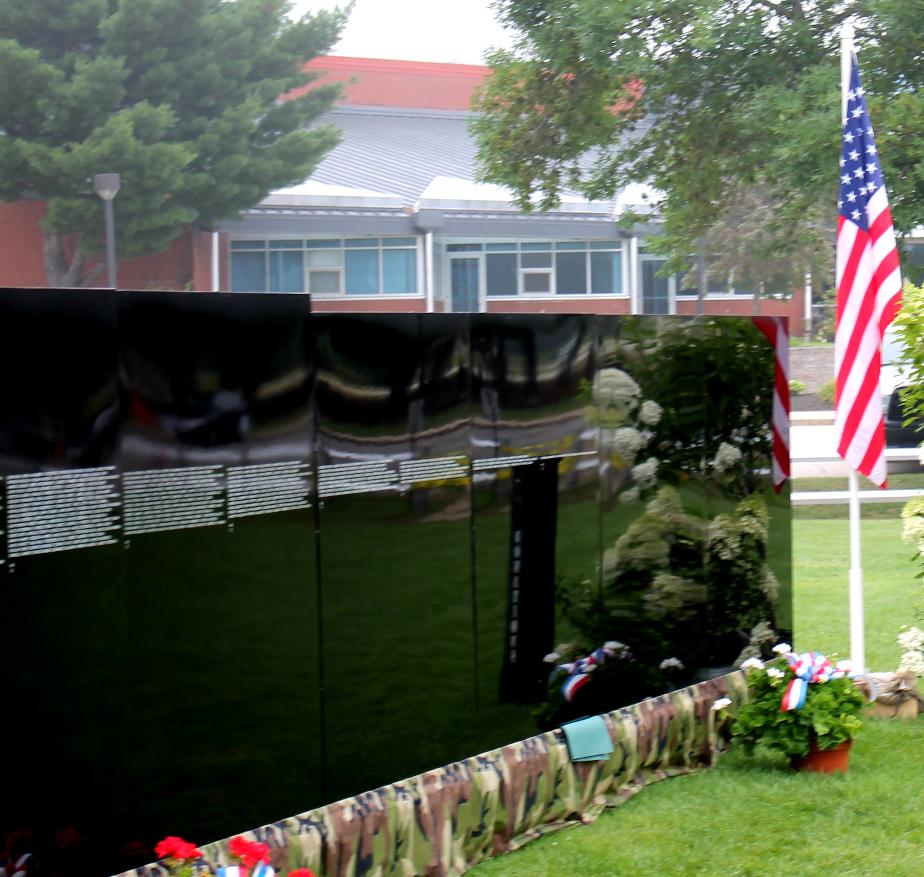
column 107, row 187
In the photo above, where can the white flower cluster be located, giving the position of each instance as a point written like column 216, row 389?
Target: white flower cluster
column 912, row 643
column 625, row 441
column 671, row 664
column 650, row 413
column 726, row 457
column 782, row 648
column 721, row 703
column 630, row 494
column 612, row 386
column 913, row 522
column 752, row 664
column 646, row 474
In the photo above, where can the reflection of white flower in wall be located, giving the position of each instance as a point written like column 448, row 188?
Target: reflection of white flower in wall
column 646, row 474
column 726, row 457
column 625, row 441
column 612, row 386
column 649, row 413
column 630, row 494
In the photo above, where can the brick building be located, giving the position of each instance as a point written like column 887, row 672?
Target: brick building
column 392, row 220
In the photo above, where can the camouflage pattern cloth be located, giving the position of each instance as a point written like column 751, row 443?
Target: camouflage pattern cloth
column 443, row 822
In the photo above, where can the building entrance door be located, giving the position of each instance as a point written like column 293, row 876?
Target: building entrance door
column 656, row 291
column 465, row 280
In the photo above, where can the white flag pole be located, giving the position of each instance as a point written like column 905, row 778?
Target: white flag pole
column 857, row 622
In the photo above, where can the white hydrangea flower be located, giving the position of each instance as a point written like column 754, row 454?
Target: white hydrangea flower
column 721, row 703
column 775, row 673
column 646, row 474
column 551, row 657
column 752, row 664
column 912, row 638
column 650, row 413
column 631, row 494
column 625, row 441
column 912, row 662
column 671, row 664
column 726, row 457
column 782, row 648
column 613, row 645
column 612, row 386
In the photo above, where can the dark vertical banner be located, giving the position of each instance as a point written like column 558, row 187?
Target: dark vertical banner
column 530, row 632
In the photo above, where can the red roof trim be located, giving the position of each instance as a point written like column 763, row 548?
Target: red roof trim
column 339, row 63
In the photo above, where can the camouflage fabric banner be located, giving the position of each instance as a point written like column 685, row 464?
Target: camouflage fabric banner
column 443, row 822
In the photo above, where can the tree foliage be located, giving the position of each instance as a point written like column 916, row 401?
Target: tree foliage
column 180, row 97
column 702, row 99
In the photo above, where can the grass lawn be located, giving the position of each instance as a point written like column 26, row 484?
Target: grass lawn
column 755, row 817
column 821, row 559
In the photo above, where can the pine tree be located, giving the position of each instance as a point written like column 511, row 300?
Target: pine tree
column 180, row 97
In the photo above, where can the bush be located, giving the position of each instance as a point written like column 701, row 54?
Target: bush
column 827, row 392
column 796, row 387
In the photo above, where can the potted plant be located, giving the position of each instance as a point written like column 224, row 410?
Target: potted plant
column 803, row 706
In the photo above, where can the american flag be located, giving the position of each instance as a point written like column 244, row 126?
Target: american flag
column 777, row 331
column 869, row 288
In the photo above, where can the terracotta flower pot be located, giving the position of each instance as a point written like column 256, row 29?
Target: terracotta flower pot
column 825, row 760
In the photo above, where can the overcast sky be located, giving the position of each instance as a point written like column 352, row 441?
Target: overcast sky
column 458, row 31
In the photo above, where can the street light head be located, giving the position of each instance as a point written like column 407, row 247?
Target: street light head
column 106, row 185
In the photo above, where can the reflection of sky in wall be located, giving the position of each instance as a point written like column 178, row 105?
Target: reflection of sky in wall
column 457, row 31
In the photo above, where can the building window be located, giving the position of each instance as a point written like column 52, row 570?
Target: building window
column 326, row 266
column 547, row 268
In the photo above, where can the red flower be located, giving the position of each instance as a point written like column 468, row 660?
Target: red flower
column 248, row 851
column 301, row 872
column 176, row 848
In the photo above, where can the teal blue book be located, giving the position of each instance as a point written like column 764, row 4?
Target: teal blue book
column 588, row 739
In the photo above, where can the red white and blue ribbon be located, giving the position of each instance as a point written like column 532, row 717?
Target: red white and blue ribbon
column 579, row 671
column 812, row 667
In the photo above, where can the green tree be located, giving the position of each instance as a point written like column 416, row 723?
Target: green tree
column 180, row 97
column 910, row 326
column 701, row 98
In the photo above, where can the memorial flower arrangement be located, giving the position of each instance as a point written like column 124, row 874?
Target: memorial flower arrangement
column 248, row 858
column 798, row 701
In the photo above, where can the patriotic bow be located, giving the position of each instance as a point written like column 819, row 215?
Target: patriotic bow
column 807, row 669
column 579, row 671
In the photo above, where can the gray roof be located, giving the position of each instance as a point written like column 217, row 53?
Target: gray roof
column 397, row 150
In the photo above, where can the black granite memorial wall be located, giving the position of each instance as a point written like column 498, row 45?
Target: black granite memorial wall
column 255, row 560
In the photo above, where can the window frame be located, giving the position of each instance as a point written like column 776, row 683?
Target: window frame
column 338, row 245
column 483, row 248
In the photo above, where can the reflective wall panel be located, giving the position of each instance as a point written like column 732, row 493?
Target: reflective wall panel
column 257, row 560
column 63, row 619
column 535, row 488
column 220, row 559
column 393, row 440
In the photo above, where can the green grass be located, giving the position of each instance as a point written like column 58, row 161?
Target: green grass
column 870, row 511
column 754, row 817
column 821, row 558
column 751, row 817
